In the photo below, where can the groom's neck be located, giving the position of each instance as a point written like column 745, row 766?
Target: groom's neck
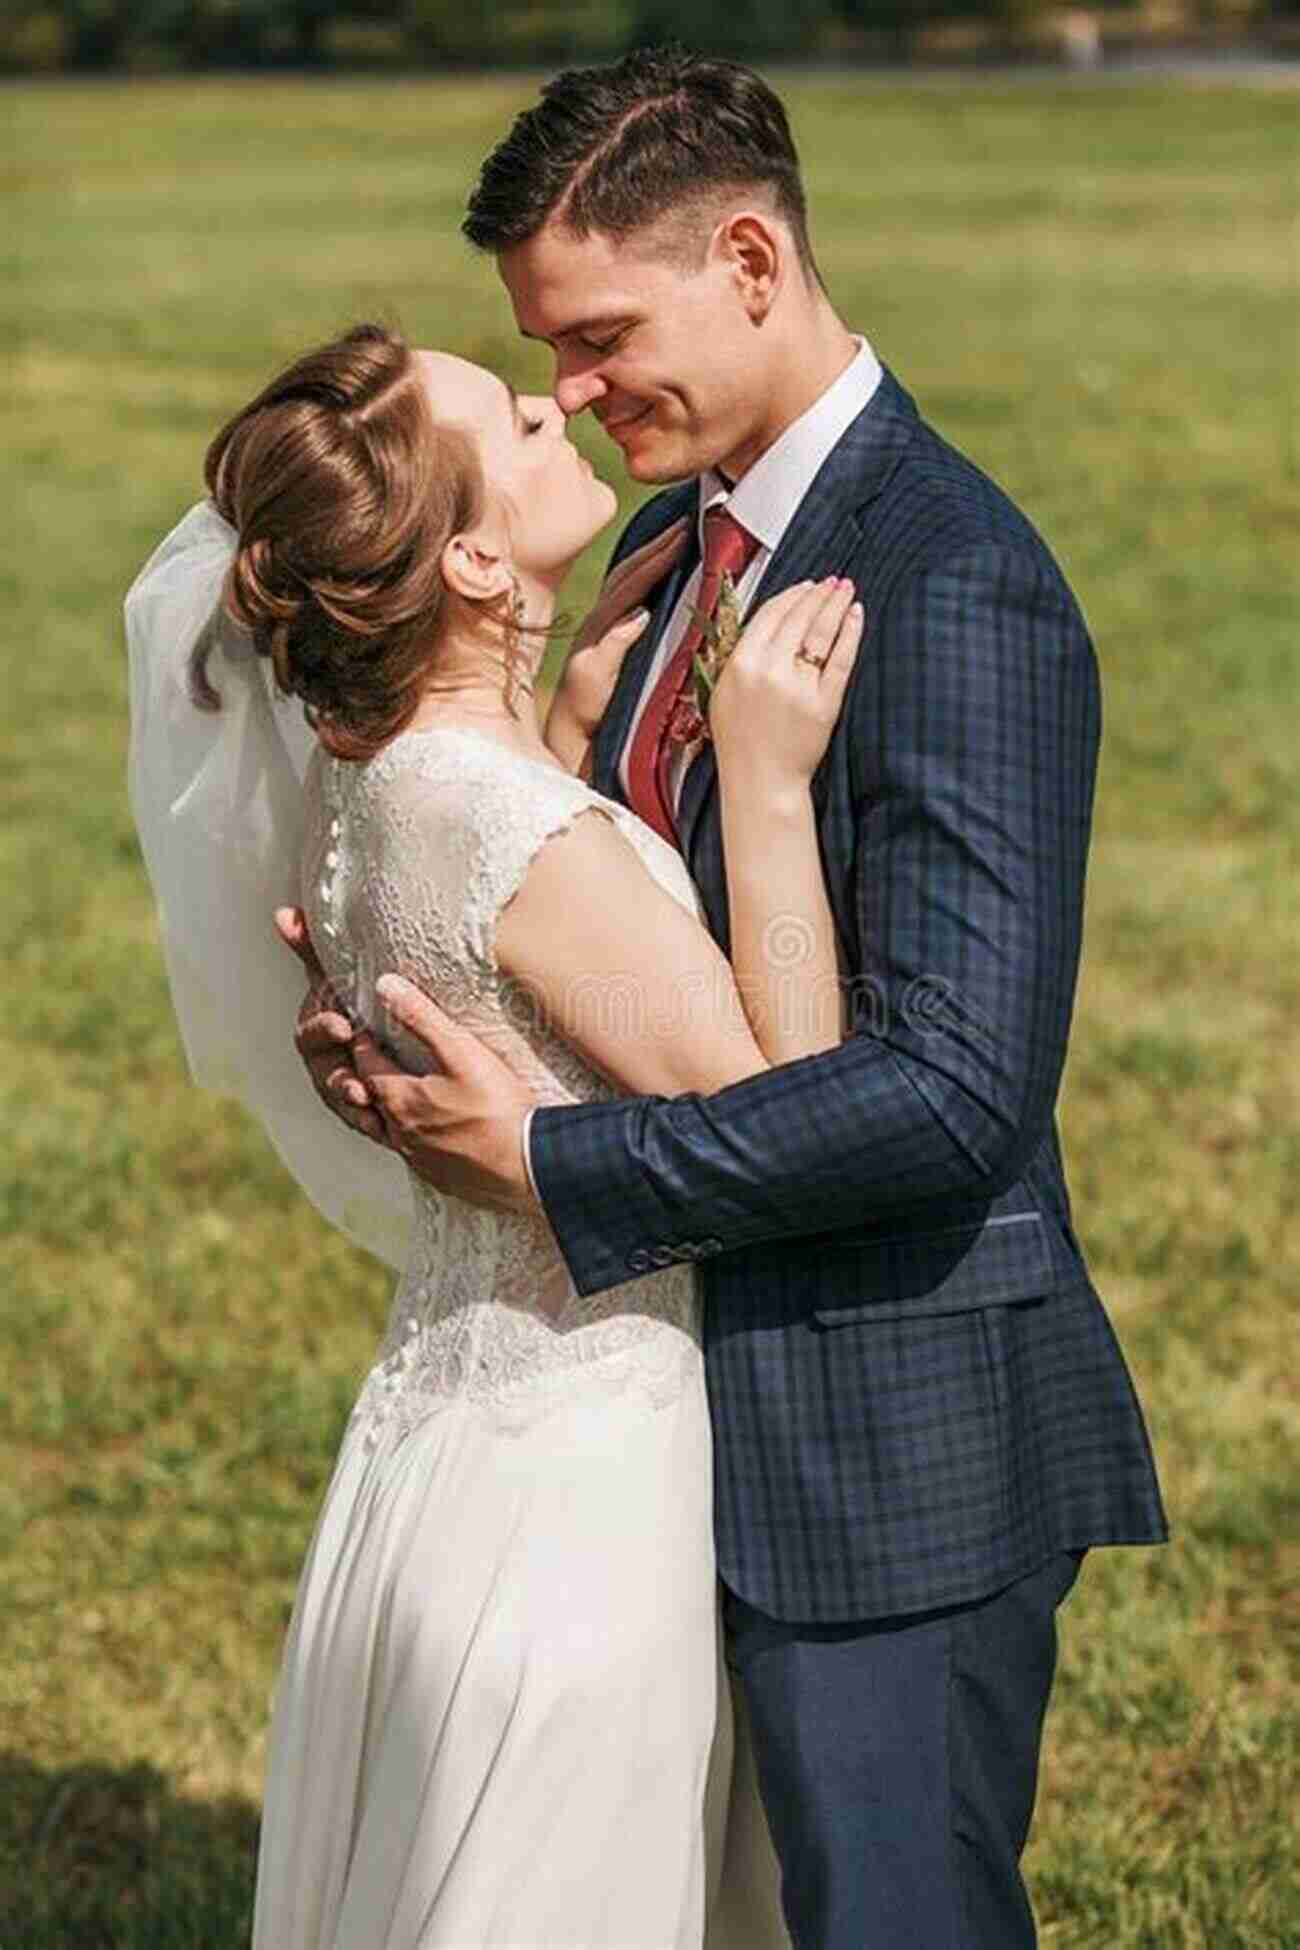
column 809, row 348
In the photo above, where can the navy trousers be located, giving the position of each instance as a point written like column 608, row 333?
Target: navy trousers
column 898, row 1760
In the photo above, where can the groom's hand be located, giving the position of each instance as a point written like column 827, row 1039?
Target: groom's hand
column 324, row 1037
column 461, row 1130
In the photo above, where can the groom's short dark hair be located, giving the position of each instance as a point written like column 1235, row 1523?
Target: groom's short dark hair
column 619, row 148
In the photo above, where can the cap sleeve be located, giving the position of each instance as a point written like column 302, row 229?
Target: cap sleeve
column 471, row 817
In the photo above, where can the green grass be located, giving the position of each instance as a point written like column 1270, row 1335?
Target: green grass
column 1090, row 290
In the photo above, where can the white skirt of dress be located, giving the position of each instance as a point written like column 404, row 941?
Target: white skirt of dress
column 502, row 1720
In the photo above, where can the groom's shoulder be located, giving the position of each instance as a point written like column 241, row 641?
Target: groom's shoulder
column 936, row 502
column 934, row 474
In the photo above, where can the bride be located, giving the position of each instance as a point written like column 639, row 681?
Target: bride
column 502, row 1721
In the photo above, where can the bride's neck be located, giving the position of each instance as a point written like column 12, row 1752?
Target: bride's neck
column 485, row 672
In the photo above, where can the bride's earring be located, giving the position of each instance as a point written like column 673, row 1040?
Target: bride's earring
column 514, row 648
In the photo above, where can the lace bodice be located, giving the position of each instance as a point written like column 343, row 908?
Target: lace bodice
column 408, row 860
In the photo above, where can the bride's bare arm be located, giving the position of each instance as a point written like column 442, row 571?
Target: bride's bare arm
column 621, row 970
column 624, row 972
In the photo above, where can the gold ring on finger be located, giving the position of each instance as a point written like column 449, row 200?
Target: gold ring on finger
column 802, row 656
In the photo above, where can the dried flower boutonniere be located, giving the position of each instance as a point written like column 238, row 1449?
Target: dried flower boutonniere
column 690, row 720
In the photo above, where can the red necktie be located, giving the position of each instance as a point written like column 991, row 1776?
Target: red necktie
column 728, row 550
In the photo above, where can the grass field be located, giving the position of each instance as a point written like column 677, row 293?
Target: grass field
column 1090, row 291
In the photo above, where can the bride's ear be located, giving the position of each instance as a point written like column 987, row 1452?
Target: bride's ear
column 472, row 570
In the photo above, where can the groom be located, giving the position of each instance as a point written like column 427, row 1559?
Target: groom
column 921, row 1417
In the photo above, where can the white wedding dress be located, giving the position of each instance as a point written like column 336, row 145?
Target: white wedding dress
column 502, row 1721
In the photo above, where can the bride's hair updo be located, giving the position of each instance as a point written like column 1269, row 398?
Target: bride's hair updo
column 344, row 491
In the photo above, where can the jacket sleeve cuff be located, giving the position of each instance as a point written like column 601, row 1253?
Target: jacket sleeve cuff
column 528, row 1157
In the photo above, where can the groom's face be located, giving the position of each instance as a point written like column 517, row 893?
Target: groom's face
column 660, row 347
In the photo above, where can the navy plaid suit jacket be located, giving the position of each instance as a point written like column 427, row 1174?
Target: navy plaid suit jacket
column 916, row 1394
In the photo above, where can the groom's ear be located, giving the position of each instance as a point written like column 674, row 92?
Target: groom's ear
column 753, row 248
column 473, row 571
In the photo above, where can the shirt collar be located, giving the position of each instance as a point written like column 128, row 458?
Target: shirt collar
column 766, row 499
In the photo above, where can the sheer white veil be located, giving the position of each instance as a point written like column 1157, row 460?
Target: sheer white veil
column 218, row 803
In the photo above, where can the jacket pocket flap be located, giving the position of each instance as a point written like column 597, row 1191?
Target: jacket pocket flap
column 910, row 1275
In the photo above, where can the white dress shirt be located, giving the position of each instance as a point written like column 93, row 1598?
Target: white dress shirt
column 764, row 501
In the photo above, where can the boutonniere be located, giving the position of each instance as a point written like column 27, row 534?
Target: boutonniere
column 721, row 633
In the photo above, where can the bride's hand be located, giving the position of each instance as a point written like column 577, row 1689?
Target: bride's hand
column 587, row 684
column 775, row 705
column 616, row 621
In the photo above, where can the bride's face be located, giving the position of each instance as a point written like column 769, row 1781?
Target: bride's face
column 545, row 503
